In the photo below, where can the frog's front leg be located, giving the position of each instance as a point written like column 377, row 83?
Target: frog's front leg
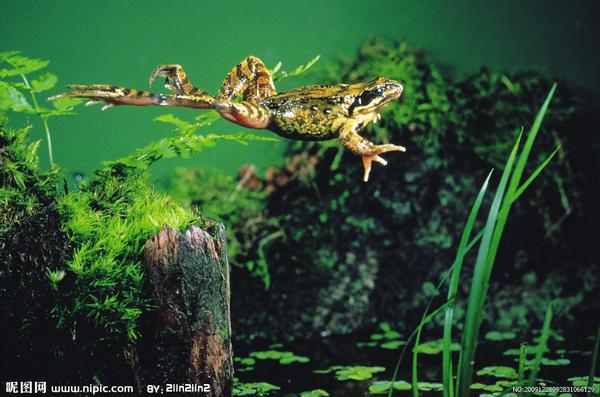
column 365, row 148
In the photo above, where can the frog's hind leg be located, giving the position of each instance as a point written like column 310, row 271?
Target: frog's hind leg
column 250, row 78
column 176, row 79
column 113, row 95
column 365, row 148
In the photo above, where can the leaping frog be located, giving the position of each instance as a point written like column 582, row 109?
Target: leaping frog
column 308, row 113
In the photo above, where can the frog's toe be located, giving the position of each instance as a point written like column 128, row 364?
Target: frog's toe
column 367, row 161
column 161, row 71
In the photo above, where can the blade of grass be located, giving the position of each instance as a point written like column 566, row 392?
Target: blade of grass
column 415, row 377
column 541, row 347
column 515, row 179
column 488, row 249
column 453, row 288
column 535, row 128
column 410, row 338
column 594, row 361
column 522, row 358
column 534, row 175
column 428, row 318
column 478, row 287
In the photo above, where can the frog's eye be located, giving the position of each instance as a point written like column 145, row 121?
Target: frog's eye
column 366, row 98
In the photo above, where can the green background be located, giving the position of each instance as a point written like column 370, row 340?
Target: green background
column 120, row 42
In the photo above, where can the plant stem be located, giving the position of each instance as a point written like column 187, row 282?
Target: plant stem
column 522, row 359
column 44, row 122
column 37, row 110
column 594, row 361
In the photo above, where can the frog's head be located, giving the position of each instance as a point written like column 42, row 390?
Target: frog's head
column 372, row 97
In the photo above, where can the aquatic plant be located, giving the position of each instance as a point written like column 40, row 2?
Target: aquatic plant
column 258, row 389
column 12, row 97
column 509, row 189
column 315, row 393
column 352, row 372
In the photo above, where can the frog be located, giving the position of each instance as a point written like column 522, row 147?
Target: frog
column 310, row 113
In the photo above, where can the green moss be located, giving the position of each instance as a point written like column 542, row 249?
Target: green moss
column 30, row 241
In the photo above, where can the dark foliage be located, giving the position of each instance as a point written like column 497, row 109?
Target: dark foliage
column 356, row 252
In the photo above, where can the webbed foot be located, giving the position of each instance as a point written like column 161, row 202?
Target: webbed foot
column 368, row 159
column 112, row 95
column 175, row 78
column 108, row 94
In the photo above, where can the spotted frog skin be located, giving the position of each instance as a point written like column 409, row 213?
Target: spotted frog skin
column 309, row 113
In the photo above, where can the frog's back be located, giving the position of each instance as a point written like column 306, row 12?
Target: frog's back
column 307, row 113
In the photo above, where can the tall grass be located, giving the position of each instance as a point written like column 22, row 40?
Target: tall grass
column 508, row 191
column 594, row 362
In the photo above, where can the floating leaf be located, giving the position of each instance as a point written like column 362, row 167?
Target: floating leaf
column 245, row 360
column 499, row 372
column 253, row 389
column 393, row 344
column 357, row 372
column 555, row 362
column 384, row 386
column 435, row 347
column 498, row 335
column 314, row 393
column 45, row 82
column 366, row 344
column 282, row 356
column 582, row 381
column 481, row 386
column 531, row 350
column 430, row 386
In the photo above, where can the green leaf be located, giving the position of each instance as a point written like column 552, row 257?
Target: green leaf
column 555, row 362
column 299, row 70
column 366, row 344
column 499, row 372
column 45, row 82
column 283, row 357
column 357, row 372
column 393, row 344
column 314, row 393
column 20, row 64
column 498, row 336
column 430, row 386
column 180, row 125
column 65, row 104
column 253, row 389
column 384, row 386
column 11, row 98
column 435, row 347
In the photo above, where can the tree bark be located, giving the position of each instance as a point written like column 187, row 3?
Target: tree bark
column 186, row 340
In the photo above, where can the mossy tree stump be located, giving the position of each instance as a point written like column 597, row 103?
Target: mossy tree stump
column 186, row 339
